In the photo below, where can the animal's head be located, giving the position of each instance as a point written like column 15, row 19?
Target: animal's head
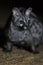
column 21, row 19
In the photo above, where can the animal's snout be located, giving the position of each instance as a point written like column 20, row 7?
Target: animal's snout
column 21, row 25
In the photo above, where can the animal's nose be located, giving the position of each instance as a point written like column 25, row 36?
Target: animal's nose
column 21, row 25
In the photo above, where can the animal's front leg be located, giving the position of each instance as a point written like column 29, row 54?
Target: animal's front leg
column 34, row 49
column 8, row 47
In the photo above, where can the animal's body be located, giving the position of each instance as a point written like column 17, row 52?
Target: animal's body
column 24, row 27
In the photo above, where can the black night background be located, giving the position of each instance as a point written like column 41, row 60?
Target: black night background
column 7, row 5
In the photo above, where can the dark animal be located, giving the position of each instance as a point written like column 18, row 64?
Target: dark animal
column 23, row 28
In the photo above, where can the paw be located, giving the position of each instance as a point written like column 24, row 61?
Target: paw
column 7, row 49
column 35, row 52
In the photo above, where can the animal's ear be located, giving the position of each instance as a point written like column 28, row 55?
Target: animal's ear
column 16, row 12
column 28, row 11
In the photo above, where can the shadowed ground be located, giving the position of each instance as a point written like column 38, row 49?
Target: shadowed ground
column 18, row 56
column 21, row 57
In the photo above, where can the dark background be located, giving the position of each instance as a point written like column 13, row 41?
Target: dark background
column 7, row 5
column 37, row 5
